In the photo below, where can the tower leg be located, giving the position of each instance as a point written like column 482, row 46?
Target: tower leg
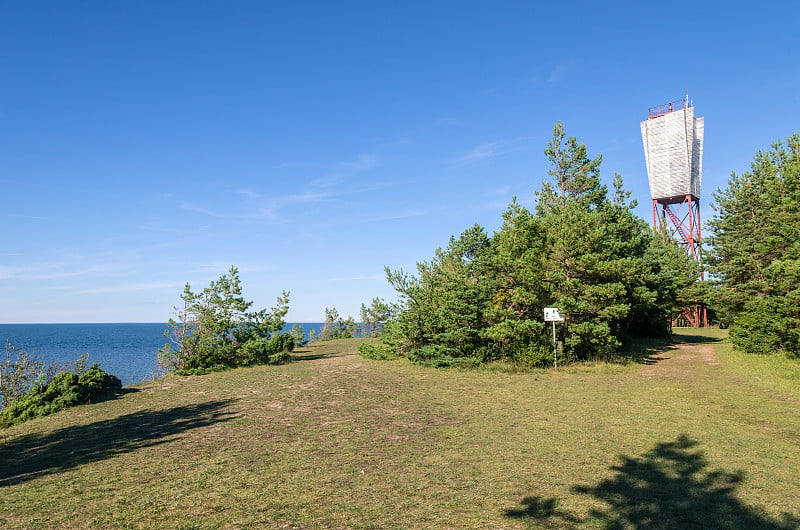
column 683, row 213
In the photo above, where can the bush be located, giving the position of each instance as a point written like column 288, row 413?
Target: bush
column 432, row 352
column 534, row 356
column 455, row 362
column 19, row 372
column 274, row 350
column 755, row 329
column 67, row 389
column 376, row 352
column 440, row 356
column 215, row 329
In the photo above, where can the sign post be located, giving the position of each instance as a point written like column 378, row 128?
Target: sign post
column 551, row 314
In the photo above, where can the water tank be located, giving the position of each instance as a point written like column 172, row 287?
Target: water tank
column 673, row 150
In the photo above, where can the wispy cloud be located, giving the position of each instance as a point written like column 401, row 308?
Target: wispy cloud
column 203, row 211
column 444, row 121
column 479, row 152
column 369, row 277
column 171, row 230
column 555, row 75
column 327, row 188
column 487, row 150
column 270, row 210
column 128, row 288
column 297, row 164
column 258, row 205
column 22, row 216
column 558, row 73
column 406, row 214
column 249, row 194
column 502, row 191
column 362, row 163
column 51, row 271
column 344, row 170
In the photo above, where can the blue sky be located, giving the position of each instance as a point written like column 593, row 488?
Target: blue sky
column 147, row 144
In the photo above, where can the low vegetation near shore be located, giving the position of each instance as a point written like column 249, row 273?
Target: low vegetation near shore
column 690, row 436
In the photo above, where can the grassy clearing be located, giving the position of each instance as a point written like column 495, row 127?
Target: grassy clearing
column 697, row 435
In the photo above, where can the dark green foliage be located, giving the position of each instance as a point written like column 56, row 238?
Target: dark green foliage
column 756, row 327
column 376, row 352
column 215, row 330
column 513, row 275
column 605, row 269
column 67, row 389
column 428, row 353
column 482, row 298
column 274, row 350
column 445, row 306
column 534, row 356
column 755, row 253
column 671, row 281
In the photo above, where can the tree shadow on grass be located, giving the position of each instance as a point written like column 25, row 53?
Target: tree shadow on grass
column 33, row 455
column 544, row 512
column 302, row 356
column 681, row 338
column 669, row 487
column 645, row 350
column 649, row 350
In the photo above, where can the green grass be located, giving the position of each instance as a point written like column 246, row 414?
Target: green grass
column 697, row 435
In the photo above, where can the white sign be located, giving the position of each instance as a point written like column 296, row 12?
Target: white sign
column 551, row 314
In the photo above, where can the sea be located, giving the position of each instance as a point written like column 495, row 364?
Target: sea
column 125, row 350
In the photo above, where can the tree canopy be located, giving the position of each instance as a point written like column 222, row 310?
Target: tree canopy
column 482, row 297
column 215, row 329
column 755, row 251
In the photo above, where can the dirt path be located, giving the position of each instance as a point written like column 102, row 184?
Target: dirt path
column 696, row 365
column 681, row 360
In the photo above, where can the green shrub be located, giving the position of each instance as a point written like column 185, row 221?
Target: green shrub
column 67, row 389
column 215, row 328
column 376, row 352
column 430, row 352
column 279, row 358
column 440, row 356
column 455, row 362
column 274, row 350
column 255, row 351
column 534, row 356
column 19, row 372
column 755, row 329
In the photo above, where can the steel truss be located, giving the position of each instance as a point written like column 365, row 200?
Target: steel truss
column 680, row 216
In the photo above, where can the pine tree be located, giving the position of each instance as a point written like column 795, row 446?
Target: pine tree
column 444, row 305
column 755, row 251
column 214, row 329
column 514, row 270
column 582, row 251
column 596, row 268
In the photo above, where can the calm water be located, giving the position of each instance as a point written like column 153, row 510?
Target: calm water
column 125, row 350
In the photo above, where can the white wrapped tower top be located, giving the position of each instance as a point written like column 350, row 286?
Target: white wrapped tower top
column 673, row 150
